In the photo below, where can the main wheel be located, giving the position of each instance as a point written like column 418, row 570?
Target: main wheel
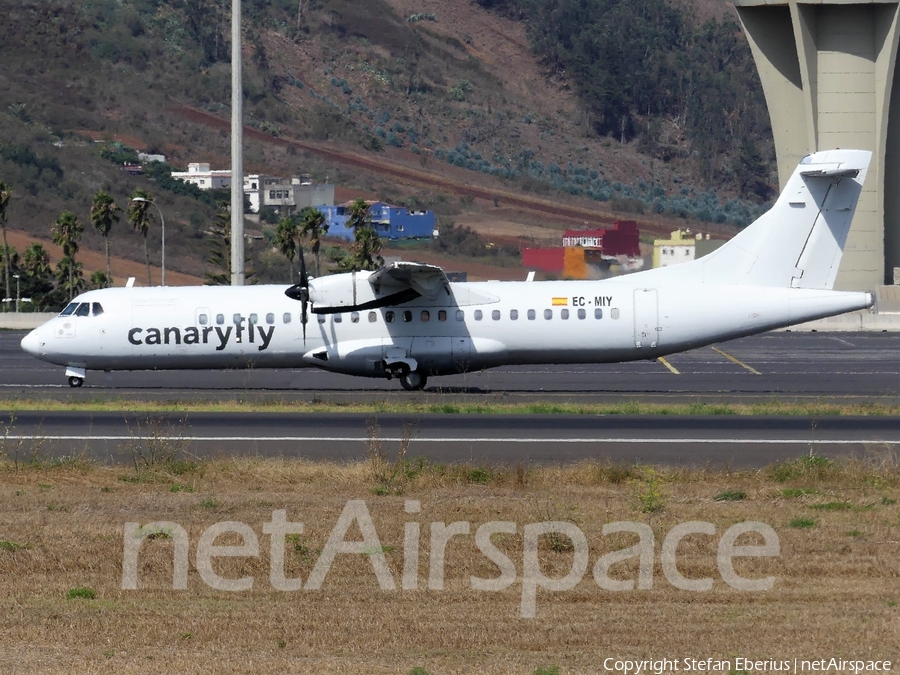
column 413, row 380
column 76, row 381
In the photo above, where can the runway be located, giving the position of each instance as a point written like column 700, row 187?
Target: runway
column 478, row 439
column 852, row 366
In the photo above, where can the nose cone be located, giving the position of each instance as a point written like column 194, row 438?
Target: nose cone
column 31, row 343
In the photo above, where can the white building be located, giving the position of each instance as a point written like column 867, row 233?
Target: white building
column 200, row 175
column 294, row 195
column 263, row 190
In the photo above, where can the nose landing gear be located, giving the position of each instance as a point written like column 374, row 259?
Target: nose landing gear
column 75, row 375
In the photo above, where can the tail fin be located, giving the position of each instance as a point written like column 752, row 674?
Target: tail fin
column 799, row 242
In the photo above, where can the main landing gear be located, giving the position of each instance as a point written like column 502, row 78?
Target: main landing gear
column 411, row 380
column 76, row 381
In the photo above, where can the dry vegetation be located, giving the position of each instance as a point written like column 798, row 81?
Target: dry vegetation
column 61, row 552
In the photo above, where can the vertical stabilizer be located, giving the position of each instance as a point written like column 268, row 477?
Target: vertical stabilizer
column 799, row 242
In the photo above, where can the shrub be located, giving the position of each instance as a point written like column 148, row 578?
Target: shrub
column 81, row 593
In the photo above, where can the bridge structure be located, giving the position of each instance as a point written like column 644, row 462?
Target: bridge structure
column 828, row 71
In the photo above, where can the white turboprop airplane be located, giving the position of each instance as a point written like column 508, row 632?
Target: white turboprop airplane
column 408, row 321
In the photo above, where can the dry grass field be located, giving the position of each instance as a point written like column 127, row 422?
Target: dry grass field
column 62, row 537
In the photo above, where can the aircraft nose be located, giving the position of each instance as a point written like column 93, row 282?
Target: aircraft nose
column 31, row 343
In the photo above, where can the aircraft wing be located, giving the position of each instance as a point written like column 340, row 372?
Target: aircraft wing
column 426, row 280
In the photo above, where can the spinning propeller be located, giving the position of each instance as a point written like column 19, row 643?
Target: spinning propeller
column 301, row 292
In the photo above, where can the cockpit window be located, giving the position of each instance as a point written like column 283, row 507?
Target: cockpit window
column 84, row 309
column 70, row 308
column 96, row 309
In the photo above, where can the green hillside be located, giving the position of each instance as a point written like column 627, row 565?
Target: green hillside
column 661, row 116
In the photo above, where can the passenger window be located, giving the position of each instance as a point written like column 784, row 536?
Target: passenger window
column 96, row 309
column 254, row 319
column 426, row 316
column 373, row 317
column 531, row 315
column 220, row 319
column 582, row 314
column 442, row 315
column 321, row 318
column 202, row 319
column 354, row 317
column 84, row 309
column 70, row 308
column 548, row 314
column 337, row 318
column 514, row 314
column 563, row 314
column 460, row 315
column 407, row 316
column 237, row 319
column 389, row 317
column 598, row 313
column 270, row 318
column 614, row 313
column 495, row 315
column 478, row 315
column 286, row 318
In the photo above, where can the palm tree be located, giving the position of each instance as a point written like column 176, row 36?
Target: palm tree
column 367, row 249
column 5, row 195
column 141, row 217
column 37, row 282
column 66, row 233
column 314, row 226
column 104, row 212
column 286, row 240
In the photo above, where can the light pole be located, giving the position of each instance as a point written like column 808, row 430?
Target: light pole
column 16, row 277
column 163, row 228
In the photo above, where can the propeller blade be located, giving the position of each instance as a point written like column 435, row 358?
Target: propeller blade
column 304, row 294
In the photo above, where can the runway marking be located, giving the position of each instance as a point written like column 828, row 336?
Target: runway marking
column 735, row 360
column 668, row 365
column 844, row 342
column 366, row 439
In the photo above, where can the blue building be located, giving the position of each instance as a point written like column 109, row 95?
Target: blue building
column 391, row 222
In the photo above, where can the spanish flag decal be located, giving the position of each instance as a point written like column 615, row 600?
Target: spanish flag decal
column 560, row 302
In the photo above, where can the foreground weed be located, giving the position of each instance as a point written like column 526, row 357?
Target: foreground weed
column 650, row 493
column 208, row 503
column 10, row 546
column 157, row 448
column 552, row 670
column 298, row 545
column 387, row 475
column 793, row 493
column 731, row 496
column 81, row 593
column 802, row 523
column 808, row 466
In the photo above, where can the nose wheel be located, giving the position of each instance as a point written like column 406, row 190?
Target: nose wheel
column 76, row 375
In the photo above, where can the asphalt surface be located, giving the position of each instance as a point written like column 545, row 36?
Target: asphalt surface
column 845, row 367
column 785, row 365
column 480, row 439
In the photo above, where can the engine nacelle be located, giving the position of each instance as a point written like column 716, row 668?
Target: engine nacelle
column 352, row 291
